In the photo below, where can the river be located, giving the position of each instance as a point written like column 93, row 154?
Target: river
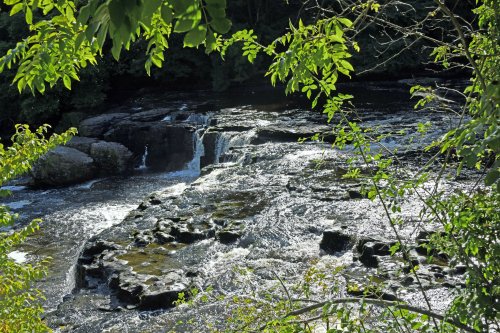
column 276, row 195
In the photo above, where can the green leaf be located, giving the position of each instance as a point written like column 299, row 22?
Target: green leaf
column 221, row 25
column 181, row 7
column 16, row 9
column 492, row 177
column 79, row 39
column 345, row 21
column 67, row 82
column 149, row 8
column 210, row 43
column 166, row 14
column 116, row 14
column 101, row 36
column 216, row 11
column 29, row 16
column 116, row 50
column 184, row 24
column 196, row 36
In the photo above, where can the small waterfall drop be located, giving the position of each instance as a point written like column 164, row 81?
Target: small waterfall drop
column 194, row 166
column 228, row 140
column 221, row 146
column 144, row 157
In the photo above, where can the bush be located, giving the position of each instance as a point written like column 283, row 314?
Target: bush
column 20, row 303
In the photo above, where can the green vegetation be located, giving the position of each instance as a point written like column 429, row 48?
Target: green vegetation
column 20, row 307
column 309, row 58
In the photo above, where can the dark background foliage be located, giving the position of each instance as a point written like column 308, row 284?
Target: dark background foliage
column 189, row 68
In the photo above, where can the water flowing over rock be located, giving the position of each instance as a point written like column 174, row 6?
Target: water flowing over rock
column 263, row 206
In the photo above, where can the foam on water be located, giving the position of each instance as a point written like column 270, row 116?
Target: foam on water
column 18, row 256
column 13, row 188
column 88, row 185
column 18, row 204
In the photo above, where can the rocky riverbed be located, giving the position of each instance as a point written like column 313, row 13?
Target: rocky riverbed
column 250, row 198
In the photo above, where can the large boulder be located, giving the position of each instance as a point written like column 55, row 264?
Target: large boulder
column 95, row 127
column 111, row 158
column 81, row 143
column 63, row 166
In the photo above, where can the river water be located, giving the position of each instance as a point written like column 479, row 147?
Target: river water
column 282, row 237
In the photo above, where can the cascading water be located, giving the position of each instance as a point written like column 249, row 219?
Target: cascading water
column 144, row 157
column 228, row 140
column 221, row 146
column 193, row 167
column 200, row 119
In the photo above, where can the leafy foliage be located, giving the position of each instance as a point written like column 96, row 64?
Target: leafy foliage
column 69, row 39
column 20, row 307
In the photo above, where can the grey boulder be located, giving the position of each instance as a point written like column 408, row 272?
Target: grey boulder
column 63, row 166
column 111, row 157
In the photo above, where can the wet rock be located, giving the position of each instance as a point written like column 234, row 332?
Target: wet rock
column 163, row 238
column 355, row 194
column 406, row 281
column 142, row 239
column 335, row 241
column 376, row 246
column 63, row 166
column 94, row 248
column 95, row 127
column 163, row 225
column 362, row 291
column 184, row 235
column 131, row 134
column 128, row 288
column 368, row 257
column 290, row 134
column 111, row 158
column 163, row 292
column 170, row 146
column 232, row 231
column 151, row 115
column 459, row 269
column 154, row 199
column 371, row 249
column 210, row 144
column 227, row 236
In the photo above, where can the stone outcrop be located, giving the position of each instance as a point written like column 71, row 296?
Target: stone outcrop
column 95, row 127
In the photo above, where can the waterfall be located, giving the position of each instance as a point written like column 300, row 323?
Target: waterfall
column 143, row 166
column 193, row 167
column 227, row 140
column 221, row 146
